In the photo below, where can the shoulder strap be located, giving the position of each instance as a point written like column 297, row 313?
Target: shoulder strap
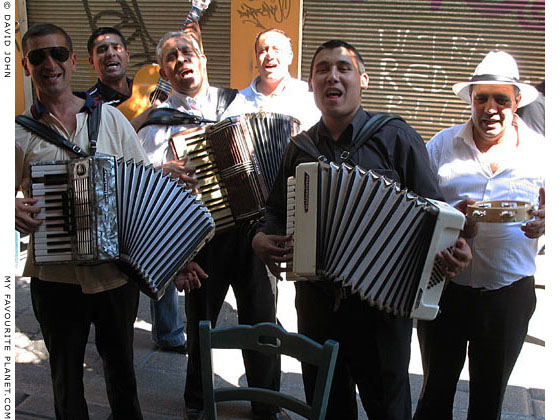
column 225, row 97
column 170, row 116
column 304, row 142
column 49, row 134
column 94, row 120
column 373, row 125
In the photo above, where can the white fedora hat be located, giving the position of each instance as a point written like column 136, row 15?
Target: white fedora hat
column 497, row 68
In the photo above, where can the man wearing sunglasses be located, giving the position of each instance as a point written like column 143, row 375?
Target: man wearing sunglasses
column 67, row 299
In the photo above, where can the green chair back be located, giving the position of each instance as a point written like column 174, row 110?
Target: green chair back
column 269, row 339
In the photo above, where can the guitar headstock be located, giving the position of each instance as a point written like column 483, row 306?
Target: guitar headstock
column 197, row 7
column 201, row 4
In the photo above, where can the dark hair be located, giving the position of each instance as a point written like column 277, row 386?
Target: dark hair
column 336, row 43
column 102, row 31
column 278, row 31
column 42, row 30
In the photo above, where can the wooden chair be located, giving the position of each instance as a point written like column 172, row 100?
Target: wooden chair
column 259, row 338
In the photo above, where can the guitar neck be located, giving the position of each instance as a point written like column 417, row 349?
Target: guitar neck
column 197, row 8
column 193, row 16
column 163, row 88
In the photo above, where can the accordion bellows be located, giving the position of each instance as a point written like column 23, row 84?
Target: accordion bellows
column 98, row 209
column 361, row 230
column 236, row 161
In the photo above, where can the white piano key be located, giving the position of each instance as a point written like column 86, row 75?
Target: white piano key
column 53, row 258
column 43, row 170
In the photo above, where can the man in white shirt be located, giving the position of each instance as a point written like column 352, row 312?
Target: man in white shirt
column 274, row 89
column 68, row 298
column 228, row 258
column 487, row 307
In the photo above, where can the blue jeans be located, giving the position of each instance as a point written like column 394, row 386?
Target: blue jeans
column 167, row 323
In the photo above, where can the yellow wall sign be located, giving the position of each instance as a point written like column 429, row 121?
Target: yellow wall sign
column 248, row 18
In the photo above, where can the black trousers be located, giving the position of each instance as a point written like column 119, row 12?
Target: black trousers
column 492, row 325
column 65, row 315
column 228, row 259
column 374, row 354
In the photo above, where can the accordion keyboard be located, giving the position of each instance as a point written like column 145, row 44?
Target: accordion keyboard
column 53, row 240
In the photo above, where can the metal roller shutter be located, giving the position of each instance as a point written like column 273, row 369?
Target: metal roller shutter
column 415, row 51
column 142, row 23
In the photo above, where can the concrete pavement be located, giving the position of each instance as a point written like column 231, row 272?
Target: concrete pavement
column 161, row 375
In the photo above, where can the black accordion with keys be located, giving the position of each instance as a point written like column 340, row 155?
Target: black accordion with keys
column 363, row 231
column 99, row 209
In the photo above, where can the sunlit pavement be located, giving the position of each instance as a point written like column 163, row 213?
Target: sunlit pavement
column 161, row 375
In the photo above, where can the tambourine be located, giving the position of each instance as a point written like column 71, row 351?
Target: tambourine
column 500, row 211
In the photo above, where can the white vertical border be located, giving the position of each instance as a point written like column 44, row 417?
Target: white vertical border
column 552, row 189
column 7, row 233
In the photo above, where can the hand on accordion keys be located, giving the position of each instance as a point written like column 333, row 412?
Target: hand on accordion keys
column 455, row 259
column 273, row 250
column 179, row 169
column 188, row 279
column 25, row 223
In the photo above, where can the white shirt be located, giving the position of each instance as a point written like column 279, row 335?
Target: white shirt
column 502, row 254
column 155, row 138
column 291, row 97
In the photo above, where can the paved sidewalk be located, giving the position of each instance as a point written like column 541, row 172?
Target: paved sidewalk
column 161, row 375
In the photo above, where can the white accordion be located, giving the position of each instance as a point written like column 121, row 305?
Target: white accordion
column 98, row 209
column 363, row 231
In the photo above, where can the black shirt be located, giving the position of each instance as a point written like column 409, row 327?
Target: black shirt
column 396, row 151
column 103, row 93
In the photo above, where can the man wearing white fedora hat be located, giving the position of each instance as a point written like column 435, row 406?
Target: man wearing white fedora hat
column 487, row 307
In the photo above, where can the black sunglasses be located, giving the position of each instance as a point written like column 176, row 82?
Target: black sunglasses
column 60, row 54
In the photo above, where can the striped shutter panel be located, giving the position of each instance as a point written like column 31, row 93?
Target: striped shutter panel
column 414, row 51
column 142, row 22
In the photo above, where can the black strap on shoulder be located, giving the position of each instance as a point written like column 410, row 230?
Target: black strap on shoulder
column 305, row 143
column 225, row 97
column 372, row 126
column 94, row 120
column 170, row 116
column 49, row 134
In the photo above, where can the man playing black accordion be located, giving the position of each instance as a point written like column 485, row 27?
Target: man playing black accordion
column 228, row 258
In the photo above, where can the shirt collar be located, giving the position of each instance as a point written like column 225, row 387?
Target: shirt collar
column 38, row 108
column 348, row 136
column 109, row 93
column 465, row 134
column 358, row 122
column 186, row 102
column 279, row 89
